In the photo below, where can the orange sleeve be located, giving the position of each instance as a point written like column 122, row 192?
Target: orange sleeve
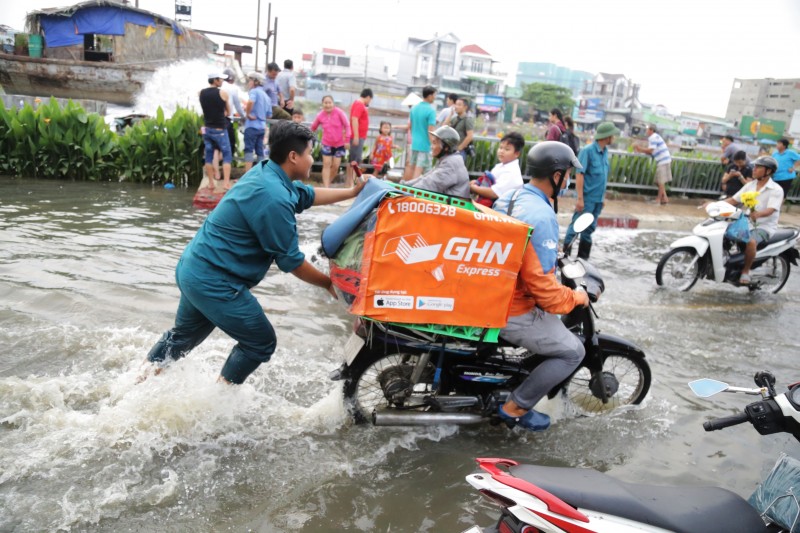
column 537, row 288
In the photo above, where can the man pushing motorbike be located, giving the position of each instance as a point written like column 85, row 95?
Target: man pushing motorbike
column 538, row 296
column 253, row 226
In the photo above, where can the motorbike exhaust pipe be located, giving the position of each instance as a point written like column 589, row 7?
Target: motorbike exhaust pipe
column 417, row 418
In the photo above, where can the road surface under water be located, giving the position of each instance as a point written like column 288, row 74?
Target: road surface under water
column 86, row 288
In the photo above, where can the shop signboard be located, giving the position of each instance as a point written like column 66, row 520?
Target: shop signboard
column 761, row 128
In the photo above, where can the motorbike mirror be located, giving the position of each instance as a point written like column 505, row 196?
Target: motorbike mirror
column 583, row 222
column 573, row 270
column 705, row 388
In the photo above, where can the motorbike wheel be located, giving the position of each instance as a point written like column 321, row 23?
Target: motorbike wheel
column 772, row 274
column 679, row 269
column 625, row 378
column 386, row 382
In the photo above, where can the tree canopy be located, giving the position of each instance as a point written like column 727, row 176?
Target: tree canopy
column 544, row 97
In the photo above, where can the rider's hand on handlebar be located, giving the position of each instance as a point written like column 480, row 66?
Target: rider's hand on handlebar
column 582, row 297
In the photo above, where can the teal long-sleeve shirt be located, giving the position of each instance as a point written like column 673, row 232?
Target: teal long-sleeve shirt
column 254, row 225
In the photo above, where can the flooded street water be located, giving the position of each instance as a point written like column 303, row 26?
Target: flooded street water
column 87, row 286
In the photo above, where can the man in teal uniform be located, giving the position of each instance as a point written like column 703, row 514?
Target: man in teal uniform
column 590, row 184
column 252, row 226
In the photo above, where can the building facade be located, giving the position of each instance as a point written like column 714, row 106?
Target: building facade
column 477, row 72
column 332, row 63
column 765, row 99
column 610, row 97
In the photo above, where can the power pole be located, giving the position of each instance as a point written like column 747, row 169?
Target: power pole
column 258, row 31
column 366, row 62
column 275, row 41
column 269, row 35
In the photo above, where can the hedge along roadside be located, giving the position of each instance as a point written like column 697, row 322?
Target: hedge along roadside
column 68, row 143
column 52, row 142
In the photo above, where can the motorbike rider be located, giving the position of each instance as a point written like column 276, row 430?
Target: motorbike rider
column 538, row 296
column 449, row 175
column 767, row 210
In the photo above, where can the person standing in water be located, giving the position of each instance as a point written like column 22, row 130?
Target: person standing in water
column 253, row 226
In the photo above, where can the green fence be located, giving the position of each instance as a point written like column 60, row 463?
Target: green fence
column 632, row 172
column 689, row 176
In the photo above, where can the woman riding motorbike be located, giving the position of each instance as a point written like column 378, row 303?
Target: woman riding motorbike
column 449, row 175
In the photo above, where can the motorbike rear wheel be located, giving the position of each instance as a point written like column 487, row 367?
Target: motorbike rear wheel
column 772, row 274
column 679, row 269
column 385, row 382
column 625, row 378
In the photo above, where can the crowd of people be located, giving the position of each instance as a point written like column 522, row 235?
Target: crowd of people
column 254, row 225
column 273, row 96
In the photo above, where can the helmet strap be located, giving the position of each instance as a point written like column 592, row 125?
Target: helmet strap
column 556, row 189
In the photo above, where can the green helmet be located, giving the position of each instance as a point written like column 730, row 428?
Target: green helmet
column 448, row 136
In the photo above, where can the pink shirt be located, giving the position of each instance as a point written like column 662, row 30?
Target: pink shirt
column 335, row 127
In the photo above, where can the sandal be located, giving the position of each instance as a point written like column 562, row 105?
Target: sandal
column 744, row 279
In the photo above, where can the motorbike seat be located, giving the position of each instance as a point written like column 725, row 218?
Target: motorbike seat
column 780, row 235
column 682, row 509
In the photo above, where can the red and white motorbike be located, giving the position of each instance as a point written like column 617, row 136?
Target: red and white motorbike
column 707, row 253
column 543, row 499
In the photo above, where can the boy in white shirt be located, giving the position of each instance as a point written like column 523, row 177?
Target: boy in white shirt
column 505, row 176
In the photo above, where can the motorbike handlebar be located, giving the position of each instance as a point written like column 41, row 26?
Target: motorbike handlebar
column 726, row 421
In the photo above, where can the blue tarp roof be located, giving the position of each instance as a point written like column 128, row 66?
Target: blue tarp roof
column 61, row 30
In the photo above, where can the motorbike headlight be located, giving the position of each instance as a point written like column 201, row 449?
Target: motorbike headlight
column 573, row 270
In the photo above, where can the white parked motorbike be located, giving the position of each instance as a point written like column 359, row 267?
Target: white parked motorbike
column 547, row 499
column 708, row 254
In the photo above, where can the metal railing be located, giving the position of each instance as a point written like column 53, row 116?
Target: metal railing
column 628, row 171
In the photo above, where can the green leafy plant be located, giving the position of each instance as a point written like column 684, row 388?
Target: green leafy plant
column 54, row 141
column 163, row 150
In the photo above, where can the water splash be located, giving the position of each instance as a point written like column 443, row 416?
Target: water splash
column 173, row 86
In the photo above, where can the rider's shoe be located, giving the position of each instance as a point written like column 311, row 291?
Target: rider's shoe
column 532, row 420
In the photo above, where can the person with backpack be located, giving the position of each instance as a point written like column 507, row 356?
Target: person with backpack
column 556, row 128
column 569, row 138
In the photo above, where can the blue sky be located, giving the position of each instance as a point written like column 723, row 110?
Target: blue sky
column 684, row 53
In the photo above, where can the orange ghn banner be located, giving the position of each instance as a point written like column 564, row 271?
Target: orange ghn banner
column 428, row 262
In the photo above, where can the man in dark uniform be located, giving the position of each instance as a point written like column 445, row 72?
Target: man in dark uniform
column 252, row 226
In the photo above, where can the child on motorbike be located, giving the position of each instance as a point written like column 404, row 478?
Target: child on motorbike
column 505, row 176
column 538, row 298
